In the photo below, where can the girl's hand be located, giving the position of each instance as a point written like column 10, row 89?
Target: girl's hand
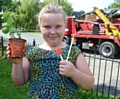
column 15, row 60
column 66, row 68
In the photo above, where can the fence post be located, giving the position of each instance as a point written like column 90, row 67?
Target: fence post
column 58, row 2
column 33, row 42
column 2, row 45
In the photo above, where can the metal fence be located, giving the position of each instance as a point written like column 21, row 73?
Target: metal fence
column 1, row 46
column 106, row 73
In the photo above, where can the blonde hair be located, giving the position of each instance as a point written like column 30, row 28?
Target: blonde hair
column 51, row 8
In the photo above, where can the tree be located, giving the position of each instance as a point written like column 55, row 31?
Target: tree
column 1, row 20
column 82, row 11
column 4, row 4
column 64, row 3
column 24, row 14
column 115, row 4
column 67, row 6
column 1, row 4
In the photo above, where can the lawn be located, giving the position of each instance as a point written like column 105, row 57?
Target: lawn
column 8, row 90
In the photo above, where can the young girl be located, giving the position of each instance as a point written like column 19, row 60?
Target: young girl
column 49, row 76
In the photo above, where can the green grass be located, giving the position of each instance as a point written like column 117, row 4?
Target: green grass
column 94, row 95
column 8, row 90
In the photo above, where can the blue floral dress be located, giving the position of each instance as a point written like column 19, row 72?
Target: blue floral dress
column 45, row 80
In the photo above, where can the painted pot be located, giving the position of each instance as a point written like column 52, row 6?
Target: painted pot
column 17, row 47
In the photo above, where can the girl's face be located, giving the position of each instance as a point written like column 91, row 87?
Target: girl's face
column 52, row 27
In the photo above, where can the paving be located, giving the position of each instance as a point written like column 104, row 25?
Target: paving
column 29, row 36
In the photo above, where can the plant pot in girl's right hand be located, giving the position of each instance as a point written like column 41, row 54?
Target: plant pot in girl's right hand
column 17, row 47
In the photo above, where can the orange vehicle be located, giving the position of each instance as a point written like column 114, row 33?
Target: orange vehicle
column 101, row 35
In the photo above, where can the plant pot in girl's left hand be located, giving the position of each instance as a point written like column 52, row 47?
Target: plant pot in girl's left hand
column 17, row 47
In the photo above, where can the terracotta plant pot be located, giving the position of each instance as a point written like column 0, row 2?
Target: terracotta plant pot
column 17, row 46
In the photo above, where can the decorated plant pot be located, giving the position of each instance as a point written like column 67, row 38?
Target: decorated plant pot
column 17, row 46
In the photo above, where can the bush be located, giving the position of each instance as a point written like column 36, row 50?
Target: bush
column 1, row 20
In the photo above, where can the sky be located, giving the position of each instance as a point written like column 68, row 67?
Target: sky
column 87, row 5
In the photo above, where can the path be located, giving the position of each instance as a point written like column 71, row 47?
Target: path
column 29, row 36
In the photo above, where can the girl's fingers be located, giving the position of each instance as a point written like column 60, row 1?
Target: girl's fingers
column 8, row 47
column 24, row 49
column 8, row 52
column 8, row 56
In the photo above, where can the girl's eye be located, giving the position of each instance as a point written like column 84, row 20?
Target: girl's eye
column 46, row 27
column 58, row 26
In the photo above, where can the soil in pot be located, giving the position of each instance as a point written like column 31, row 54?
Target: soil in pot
column 17, row 46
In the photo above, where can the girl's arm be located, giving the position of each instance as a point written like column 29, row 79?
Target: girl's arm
column 20, row 72
column 82, row 75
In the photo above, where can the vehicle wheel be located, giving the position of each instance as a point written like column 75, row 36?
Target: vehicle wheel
column 116, row 50
column 107, row 49
column 67, row 39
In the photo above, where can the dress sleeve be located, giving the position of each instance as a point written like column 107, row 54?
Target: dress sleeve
column 28, row 52
column 75, row 51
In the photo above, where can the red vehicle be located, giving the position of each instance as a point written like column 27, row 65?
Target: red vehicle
column 101, row 34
